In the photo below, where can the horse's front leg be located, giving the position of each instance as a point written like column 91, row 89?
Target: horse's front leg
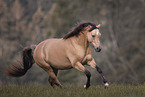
column 92, row 63
column 80, row 67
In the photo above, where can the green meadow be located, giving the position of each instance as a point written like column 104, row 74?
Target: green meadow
column 34, row 90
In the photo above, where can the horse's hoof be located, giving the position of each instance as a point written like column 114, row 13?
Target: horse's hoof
column 86, row 86
column 106, row 85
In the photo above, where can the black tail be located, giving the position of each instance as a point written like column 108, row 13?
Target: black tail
column 27, row 60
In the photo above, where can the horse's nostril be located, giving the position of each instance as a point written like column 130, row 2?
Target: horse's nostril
column 98, row 49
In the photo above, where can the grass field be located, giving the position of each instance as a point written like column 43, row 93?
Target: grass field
column 32, row 90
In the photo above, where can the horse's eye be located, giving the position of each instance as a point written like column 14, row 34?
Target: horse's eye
column 93, row 36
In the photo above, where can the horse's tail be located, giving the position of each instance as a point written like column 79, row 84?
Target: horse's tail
column 27, row 62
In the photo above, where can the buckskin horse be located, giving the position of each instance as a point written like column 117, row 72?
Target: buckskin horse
column 71, row 51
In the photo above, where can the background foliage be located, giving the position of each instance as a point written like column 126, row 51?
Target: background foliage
column 26, row 22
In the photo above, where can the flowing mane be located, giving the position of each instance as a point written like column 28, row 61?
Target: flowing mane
column 76, row 31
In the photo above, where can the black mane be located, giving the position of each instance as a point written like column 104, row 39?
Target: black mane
column 78, row 29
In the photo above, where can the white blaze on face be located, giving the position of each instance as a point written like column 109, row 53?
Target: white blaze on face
column 97, row 31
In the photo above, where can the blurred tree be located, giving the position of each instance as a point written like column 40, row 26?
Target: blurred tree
column 62, row 17
column 26, row 22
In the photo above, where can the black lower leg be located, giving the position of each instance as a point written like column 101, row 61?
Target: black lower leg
column 101, row 73
column 88, row 74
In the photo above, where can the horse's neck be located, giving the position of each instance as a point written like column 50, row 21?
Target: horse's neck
column 82, row 41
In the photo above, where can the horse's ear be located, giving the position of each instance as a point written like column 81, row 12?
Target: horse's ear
column 98, row 26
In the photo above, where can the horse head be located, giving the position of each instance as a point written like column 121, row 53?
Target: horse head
column 94, row 37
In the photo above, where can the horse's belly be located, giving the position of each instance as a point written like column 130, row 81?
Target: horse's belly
column 60, row 63
column 56, row 57
column 61, row 66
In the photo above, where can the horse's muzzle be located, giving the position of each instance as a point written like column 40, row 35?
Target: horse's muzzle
column 98, row 49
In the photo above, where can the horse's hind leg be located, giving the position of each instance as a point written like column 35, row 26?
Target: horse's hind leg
column 52, row 77
column 52, row 73
column 52, row 81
